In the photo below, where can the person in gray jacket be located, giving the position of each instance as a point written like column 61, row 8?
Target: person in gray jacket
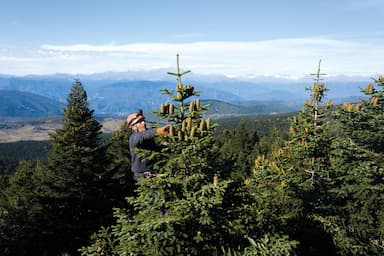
column 143, row 138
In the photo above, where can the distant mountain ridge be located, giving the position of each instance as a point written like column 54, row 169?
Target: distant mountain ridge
column 120, row 93
column 25, row 105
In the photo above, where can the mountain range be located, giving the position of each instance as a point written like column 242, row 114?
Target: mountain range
column 16, row 104
column 116, row 94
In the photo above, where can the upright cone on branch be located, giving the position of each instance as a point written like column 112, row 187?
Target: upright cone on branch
column 193, row 131
column 202, row 125
column 189, row 122
column 171, row 131
column 192, row 106
column 179, row 96
column 166, row 108
column 348, row 106
column 208, row 123
column 198, row 105
column 179, row 87
column 374, row 101
column 171, row 109
column 183, row 125
column 292, row 130
column 369, row 88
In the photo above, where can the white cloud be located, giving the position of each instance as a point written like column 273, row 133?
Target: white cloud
column 287, row 57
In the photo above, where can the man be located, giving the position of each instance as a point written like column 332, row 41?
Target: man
column 142, row 138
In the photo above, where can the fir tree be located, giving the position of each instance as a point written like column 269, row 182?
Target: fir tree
column 259, row 211
column 358, row 175
column 71, row 187
column 177, row 211
column 20, row 232
column 306, row 160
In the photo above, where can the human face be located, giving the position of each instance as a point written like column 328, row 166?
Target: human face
column 141, row 126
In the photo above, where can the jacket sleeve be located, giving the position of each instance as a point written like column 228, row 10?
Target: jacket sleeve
column 138, row 137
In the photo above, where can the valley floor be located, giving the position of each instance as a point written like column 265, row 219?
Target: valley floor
column 40, row 129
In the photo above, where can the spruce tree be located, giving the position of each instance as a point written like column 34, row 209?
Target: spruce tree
column 259, row 211
column 176, row 212
column 306, row 160
column 358, row 180
column 20, row 232
column 70, row 188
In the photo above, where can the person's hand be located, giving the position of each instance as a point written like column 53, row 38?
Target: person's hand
column 164, row 130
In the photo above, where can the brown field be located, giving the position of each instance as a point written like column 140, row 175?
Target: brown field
column 18, row 130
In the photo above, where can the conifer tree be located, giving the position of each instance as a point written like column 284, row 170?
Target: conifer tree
column 306, row 159
column 119, row 182
column 178, row 211
column 358, row 175
column 309, row 143
column 260, row 210
column 70, row 188
column 19, row 211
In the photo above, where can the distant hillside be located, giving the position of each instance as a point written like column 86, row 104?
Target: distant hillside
column 23, row 104
column 220, row 109
column 120, row 94
column 55, row 87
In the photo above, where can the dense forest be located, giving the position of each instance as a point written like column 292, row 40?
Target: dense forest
column 262, row 126
column 12, row 153
column 311, row 184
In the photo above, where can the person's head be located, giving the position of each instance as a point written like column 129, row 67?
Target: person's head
column 136, row 121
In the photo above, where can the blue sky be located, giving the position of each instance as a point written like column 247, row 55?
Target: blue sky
column 235, row 38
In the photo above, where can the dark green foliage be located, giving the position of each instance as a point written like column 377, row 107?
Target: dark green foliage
column 306, row 161
column 71, row 187
column 179, row 210
column 237, row 150
column 103, row 243
column 191, row 206
column 307, row 152
column 262, row 124
column 359, row 175
column 53, row 208
column 13, row 152
column 270, row 244
column 118, row 180
column 259, row 208
column 363, row 122
column 19, row 213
